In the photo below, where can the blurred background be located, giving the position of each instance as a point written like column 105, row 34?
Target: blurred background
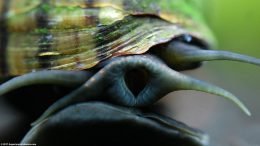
column 236, row 25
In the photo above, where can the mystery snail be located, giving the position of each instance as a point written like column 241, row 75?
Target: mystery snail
column 129, row 51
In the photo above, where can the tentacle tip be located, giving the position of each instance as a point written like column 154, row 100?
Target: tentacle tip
column 243, row 108
column 247, row 112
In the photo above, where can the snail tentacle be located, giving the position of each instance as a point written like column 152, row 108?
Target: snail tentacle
column 55, row 77
column 183, row 56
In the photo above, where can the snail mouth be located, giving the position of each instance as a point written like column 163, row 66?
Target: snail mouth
column 136, row 80
column 97, row 123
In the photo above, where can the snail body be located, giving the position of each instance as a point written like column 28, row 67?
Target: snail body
column 82, row 35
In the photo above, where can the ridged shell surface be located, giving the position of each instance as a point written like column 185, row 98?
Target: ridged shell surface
column 76, row 35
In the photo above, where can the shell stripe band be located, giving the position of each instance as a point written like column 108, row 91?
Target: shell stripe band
column 45, row 38
column 3, row 38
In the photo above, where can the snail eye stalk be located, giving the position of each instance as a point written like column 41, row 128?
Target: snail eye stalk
column 181, row 55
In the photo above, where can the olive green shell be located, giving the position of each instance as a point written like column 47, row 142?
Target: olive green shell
column 76, row 35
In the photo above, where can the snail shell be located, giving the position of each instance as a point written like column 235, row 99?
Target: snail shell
column 76, row 35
